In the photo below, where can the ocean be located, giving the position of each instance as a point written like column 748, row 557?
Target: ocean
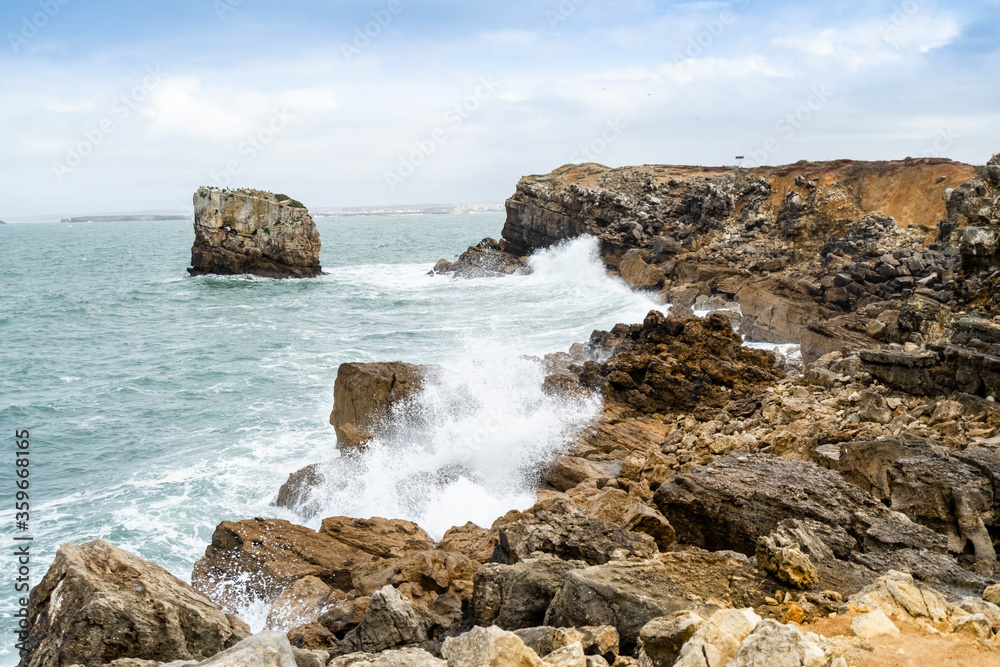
column 159, row 405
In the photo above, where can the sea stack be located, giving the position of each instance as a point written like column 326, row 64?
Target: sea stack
column 255, row 232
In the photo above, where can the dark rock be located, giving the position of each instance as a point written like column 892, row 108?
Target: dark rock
column 516, row 596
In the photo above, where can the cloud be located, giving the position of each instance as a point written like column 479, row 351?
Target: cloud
column 180, row 106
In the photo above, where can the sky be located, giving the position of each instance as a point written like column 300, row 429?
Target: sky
column 112, row 105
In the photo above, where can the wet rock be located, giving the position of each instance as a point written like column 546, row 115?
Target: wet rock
column 299, row 604
column 259, row 558
column 251, row 231
column 487, row 258
column 566, row 472
column 364, row 395
column 98, row 603
column 382, row 538
column 639, row 275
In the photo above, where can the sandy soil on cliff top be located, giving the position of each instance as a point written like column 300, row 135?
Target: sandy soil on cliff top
column 915, row 646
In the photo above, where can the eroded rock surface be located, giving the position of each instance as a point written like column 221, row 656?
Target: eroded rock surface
column 252, row 231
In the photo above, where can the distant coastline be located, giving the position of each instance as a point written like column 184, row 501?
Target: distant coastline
column 127, row 218
column 429, row 209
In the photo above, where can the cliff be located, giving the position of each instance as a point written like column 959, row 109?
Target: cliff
column 256, row 232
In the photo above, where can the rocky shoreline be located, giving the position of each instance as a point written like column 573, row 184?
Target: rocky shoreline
column 727, row 508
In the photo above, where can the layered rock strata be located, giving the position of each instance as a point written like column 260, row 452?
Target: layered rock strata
column 253, row 232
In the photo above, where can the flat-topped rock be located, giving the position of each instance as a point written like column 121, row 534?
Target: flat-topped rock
column 253, row 232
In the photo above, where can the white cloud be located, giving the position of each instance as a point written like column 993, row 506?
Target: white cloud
column 310, row 99
column 180, row 106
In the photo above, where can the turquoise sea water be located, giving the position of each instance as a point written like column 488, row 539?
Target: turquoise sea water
column 160, row 405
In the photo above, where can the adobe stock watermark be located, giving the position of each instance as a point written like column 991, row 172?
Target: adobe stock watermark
column 945, row 138
column 901, row 15
column 613, row 130
column 32, row 25
column 711, row 31
column 223, row 7
column 254, row 145
column 562, row 13
column 121, row 109
column 789, row 125
column 363, row 35
column 454, row 118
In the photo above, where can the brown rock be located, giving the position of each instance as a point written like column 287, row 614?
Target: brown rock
column 471, row 540
column 382, row 538
column 98, row 603
column 364, row 394
column 639, row 275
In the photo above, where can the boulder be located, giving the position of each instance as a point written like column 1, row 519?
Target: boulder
column 470, row 540
column 992, row 594
column 873, row 624
column 567, row 656
column 364, row 395
column 661, row 640
column 516, row 596
column 489, row 647
column 259, row 558
column 390, row 622
column 300, row 604
column 564, row 530
column 567, row 472
column 629, row 594
column 930, row 486
column 294, row 494
column 256, row 232
column 718, row 639
column 786, row 562
column 644, row 519
column 777, row 645
column 639, row 275
column 382, row 538
column 267, row 649
column 599, row 640
column 734, row 501
column 98, row 603
column 407, row 657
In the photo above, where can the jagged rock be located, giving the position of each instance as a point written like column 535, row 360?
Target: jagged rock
column 989, row 610
column 267, row 649
column 992, row 594
column 471, row 540
column 735, row 501
column 669, row 363
column 294, row 494
column 488, row 258
column 976, row 625
column 305, row 658
column 261, row 557
column 627, row 595
column 644, row 519
column 777, row 645
column 566, row 472
column 251, row 231
column 898, row 595
column 564, row 530
column 567, row 656
column 439, row 583
column 311, row 636
column 543, row 640
column 516, row 596
column 873, row 624
column 786, row 562
column 299, row 604
column 407, row 657
column 873, row 408
column 364, row 395
column 718, row 639
column 929, row 486
column 382, row 538
column 98, row 603
column 661, row 640
column 390, row 622
column 639, row 275
column 489, row 647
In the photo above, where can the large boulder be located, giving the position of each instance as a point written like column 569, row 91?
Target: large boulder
column 406, row 657
column 98, row 603
column 489, row 647
column 252, row 231
column 629, row 594
column 516, row 596
column 267, row 649
column 564, row 530
column 382, row 538
column 364, row 395
column 390, row 622
column 736, row 500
